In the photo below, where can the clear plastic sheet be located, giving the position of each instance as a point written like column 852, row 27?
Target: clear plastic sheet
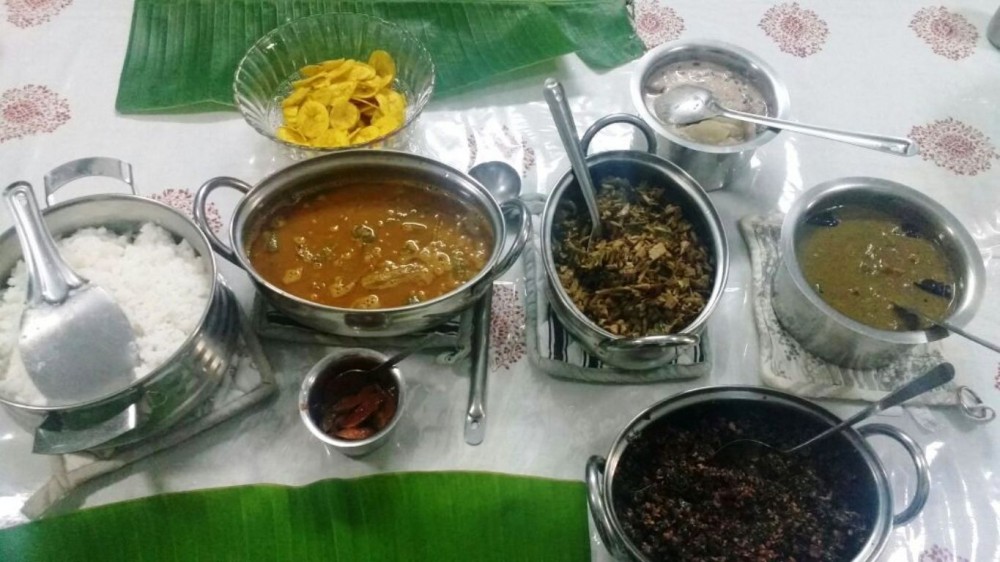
column 882, row 67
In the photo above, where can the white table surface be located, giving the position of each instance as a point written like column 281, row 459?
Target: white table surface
column 896, row 67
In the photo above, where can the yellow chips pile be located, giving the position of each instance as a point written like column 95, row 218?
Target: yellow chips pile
column 343, row 102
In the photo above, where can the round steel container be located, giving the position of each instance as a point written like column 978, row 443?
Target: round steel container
column 166, row 394
column 325, row 173
column 637, row 167
column 833, row 336
column 600, row 473
column 712, row 166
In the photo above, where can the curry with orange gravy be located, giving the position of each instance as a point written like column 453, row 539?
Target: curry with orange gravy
column 369, row 245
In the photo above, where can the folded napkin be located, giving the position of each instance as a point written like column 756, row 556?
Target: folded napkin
column 786, row 366
column 249, row 381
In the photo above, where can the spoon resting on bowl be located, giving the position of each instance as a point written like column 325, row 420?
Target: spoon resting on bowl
column 743, row 450
column 76, row 344
column 686, row 105
column 946, row 325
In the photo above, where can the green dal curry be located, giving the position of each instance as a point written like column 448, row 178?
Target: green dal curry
column 861, row 260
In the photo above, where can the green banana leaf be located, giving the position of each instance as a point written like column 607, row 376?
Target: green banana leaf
column 182, row 53
column 433, row 516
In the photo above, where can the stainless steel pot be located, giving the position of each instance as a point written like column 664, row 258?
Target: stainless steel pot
column 712, row 166
column 327, row 172
column 836, row 338
column 600, row 473
column 163, row 396
column 637, row 167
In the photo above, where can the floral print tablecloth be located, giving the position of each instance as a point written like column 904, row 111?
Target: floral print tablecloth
column 903, row 67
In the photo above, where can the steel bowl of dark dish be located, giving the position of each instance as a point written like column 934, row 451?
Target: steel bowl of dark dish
column 330, row 172
column 858, row 477
column 320, row 394
column 636, row 167
column 831, row 335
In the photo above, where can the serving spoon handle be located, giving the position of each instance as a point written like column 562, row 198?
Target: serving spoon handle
column 893, row 145
column 932, row 379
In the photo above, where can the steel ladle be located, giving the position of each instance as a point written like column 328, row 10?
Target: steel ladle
column 76, row 343
column 742, row 450
column 686, row 104
column 947, row 326
column 504, row 183
column 555, row 96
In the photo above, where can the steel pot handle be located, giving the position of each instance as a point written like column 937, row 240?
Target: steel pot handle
column 920, row 462
column 512, row 254
column 595, row 500
column 53, row 439
column 667, row 340
column 603, row 122
column 201, row 212
column 86, row 168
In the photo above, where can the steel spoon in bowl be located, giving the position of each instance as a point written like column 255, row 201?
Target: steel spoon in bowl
column 742, row 450
column 685, row 105
column 76, row 343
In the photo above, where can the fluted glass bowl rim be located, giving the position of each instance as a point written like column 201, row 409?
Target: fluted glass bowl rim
column 259, row 46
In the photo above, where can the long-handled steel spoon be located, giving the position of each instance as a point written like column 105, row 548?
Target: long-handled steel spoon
column 76, row 343
column 392, row 361
column 947, row 326
column 504, row 183
column 685, row 104
column 563, row 117
column 742, row 450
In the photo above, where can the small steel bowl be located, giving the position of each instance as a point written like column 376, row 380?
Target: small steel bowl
column 712, row 166
column 833, row 336
column 330, row 367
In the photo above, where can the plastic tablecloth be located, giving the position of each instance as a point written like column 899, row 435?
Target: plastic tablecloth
column 897, row 67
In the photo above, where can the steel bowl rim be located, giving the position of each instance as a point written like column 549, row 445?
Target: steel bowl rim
column 882, row 527
column 814, row 197
column 245, row 209
column 652, row 60
column 261, row 43
column 160, row 369
column 319, row 369
column 684, row 183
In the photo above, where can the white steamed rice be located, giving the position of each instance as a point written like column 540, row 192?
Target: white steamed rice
column 161, row 285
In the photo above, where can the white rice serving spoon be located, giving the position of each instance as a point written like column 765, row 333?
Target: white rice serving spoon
column 75, row 343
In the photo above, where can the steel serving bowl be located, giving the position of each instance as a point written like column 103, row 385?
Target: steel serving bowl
column 713, row 166
column 600, row 473
column 162, row 397
column 335, row 364
column 330, row 171
column 264, row 75
column 637, row 167
column 833, row 336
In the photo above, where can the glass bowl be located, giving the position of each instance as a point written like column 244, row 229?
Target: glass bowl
column 263, row 78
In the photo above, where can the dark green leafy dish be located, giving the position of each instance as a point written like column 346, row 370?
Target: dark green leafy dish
column 648, row 274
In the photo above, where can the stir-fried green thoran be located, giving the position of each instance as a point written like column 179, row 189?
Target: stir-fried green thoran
column 648, row 274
